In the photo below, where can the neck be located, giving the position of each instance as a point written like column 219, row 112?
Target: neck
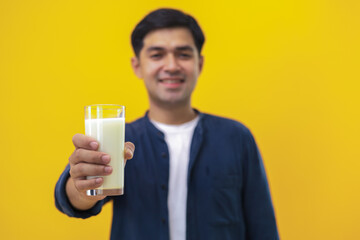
column 172, row 115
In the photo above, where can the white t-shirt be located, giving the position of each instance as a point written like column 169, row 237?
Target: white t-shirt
column 178, row 139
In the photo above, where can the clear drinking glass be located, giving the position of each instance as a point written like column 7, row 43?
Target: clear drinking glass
column 106, row 123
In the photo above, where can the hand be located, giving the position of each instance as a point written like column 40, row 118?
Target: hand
column 87, row 161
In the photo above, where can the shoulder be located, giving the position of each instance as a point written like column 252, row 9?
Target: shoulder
column 218, row 123
column 228, row 130
column 137, row 123
column 135, row 128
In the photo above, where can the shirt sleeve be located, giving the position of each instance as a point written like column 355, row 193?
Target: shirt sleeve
column 63, row 204
column 258, row 208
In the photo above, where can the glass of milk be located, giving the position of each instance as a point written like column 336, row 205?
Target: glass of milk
column 106, row 123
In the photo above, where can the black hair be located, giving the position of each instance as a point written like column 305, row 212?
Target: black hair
column 165, row 18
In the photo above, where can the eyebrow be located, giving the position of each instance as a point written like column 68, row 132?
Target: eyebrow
column 185, row 48
column 180, row 48
column 154, row 49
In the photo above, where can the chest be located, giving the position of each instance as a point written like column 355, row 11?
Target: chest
column 208, row 161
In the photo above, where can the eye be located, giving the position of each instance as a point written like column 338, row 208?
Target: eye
column 185, row 55
column 155, row 56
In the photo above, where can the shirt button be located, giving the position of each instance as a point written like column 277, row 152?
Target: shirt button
column 163, row 186
column 163, row 154
column 163, row 220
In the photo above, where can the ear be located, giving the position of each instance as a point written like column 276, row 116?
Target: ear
column 135, row 64
column 201, row 63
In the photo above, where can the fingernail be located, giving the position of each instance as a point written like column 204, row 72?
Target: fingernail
column 98, row 180
column 94, row 145
column 105, row 158
column 108, row 169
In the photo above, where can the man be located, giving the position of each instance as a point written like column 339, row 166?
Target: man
column 194, row 175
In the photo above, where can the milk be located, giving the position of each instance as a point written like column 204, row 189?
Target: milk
column 110, row 133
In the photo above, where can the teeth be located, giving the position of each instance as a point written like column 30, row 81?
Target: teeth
column 172, row 81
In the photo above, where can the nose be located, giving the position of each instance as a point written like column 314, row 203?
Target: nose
column 171, row 64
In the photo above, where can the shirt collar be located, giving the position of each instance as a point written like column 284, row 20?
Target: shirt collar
column 156, row 131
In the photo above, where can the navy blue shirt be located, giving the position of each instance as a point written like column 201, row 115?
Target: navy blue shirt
column 228, row 194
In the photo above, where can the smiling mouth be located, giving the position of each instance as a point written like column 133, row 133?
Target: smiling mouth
column 171, row 81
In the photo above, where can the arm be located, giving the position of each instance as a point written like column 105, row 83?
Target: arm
column 63, row 203
column 258, row 209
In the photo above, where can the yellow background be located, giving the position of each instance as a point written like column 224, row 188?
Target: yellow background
column 287, row 69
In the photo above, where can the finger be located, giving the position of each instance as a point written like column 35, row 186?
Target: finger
column 82, row 170
column 86, row 184
column 129, row 150
column 89, row 156
column 82, row 141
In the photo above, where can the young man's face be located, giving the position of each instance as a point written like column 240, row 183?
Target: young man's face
column 169, row 64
